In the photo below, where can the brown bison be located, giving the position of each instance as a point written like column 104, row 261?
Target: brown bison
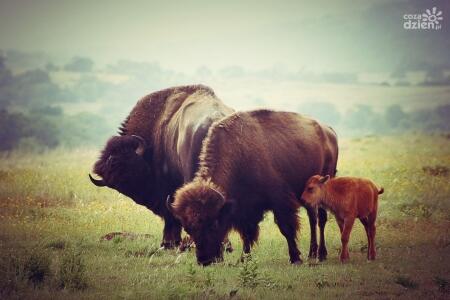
column 158, row 148
column 347, row 198
column 249, row 164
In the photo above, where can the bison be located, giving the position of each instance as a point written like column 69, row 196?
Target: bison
column 347, row 198
column 157, row 149
column 250, row 163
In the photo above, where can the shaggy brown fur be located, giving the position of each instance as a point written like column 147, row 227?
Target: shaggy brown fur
column 248, row 165
column 347, row 198
column 172, row 123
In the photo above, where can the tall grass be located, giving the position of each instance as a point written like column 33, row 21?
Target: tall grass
column 51, row 212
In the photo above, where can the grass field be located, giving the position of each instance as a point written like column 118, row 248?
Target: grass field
column 52, row 220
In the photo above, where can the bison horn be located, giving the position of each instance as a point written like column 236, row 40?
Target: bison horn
column 97, row 182
column 219, row 193
column 141, row 147
column 168, row 204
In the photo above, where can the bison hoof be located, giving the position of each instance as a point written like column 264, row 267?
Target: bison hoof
column 312, row 255
column 170, row 245
column 229, row 247
column 323, row 254
column 344, row 259
column 297, row 262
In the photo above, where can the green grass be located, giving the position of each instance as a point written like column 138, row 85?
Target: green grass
column 52, row 221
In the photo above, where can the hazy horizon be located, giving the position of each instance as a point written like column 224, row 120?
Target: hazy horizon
column 341, row 62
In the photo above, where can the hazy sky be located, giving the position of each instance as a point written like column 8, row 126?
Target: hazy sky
column 320, row 36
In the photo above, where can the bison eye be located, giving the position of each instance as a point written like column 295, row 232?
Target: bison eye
column 310, row 189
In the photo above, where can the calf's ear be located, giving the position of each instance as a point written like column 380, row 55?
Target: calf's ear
column 324, row 179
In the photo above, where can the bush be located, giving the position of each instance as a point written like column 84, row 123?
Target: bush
column 11, row 274
column 56, row 245
column 248, row 275
column 72, row 271
column 37, row 267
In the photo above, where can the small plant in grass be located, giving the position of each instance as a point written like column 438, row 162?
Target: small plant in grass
column 147, row 251
column 117, row 240
column 322, row 282
column 416, row 209
column 248, row 276
column 209, row 280
column 11, row 274
column 56, row 245
column 406, row 282
column 36, row 267
column 72, row 271
column 191, row 272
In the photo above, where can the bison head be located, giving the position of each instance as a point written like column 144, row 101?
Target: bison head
column 122, row 166
column 314, row 190
column 203, row 212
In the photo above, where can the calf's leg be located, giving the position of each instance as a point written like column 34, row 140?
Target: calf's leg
column 365, row 222
column 371, row 235
column 345, row 236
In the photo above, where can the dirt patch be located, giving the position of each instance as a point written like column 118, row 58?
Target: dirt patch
column 125, row 235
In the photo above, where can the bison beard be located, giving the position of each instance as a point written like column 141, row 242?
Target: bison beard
column 250, row 163
column 158, row 147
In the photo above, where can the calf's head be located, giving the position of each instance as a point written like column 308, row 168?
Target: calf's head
column 203, row 212
column 314, row 190
column 122, row 166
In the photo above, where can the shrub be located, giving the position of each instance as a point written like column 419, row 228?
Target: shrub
column 322, row 282
column 56, row 245
column 248, row 275
column 72, row 271
column 11, row 274
column 36, row 267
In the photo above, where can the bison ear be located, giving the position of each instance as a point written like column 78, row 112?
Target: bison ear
column 141, row 145
column 324, row 179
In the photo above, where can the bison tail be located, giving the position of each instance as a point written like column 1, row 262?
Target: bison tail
column 381, row 191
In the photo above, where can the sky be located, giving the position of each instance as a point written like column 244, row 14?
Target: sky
column 283, row 55
column 317, row 36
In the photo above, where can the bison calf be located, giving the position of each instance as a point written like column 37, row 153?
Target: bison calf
column 347, row 198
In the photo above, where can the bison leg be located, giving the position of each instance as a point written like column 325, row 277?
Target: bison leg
column 287, row 222
column 312, row 216
column 249, row 235
column 227, row 245
column 171, row 233
column 372, row 251
column 365, row 222
column 345, row 236
column 371, row 234
column 322, row 222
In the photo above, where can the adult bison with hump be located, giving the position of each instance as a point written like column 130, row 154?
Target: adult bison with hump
column 157, row 149
column 252, row 162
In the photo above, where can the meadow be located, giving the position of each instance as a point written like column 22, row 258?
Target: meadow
column 52, row 220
